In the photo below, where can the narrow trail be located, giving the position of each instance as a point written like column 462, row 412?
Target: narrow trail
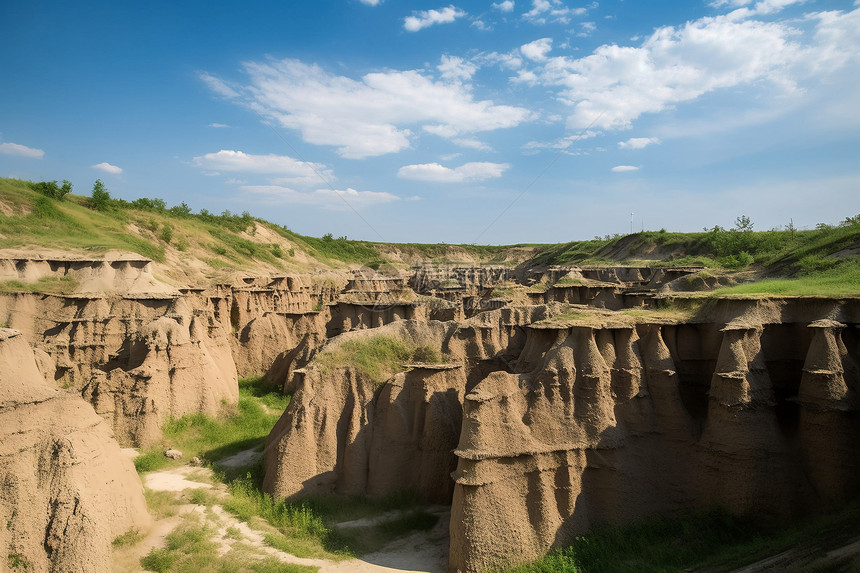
column 422, row 552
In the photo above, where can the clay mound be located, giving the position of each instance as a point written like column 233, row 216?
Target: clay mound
column 66, row 490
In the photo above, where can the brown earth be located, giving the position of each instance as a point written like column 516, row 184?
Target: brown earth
column 67, row 491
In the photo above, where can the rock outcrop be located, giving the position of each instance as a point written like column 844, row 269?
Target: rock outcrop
column 170, row 369
column 66, row 489
column 613, row 423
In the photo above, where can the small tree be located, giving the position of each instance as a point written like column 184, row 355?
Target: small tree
column 743, row 224
column 100, row 200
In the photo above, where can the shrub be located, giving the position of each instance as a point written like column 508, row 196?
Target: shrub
column 52, row 189
column 166, row 233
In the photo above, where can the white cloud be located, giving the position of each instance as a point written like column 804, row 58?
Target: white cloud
column 478, row 171
column 537, row 50
column 218, row 125
column 623, row 168
column 292, row 171
column 456, row 69
column 427, row 18
column 218, row 85
column 588, row 28
column 21, row 150
column 615, row 85
column 472, row 143
column 323, row 197
column 371, row 2
column 761, row 7
column 371, row 116
column 638, row 142
column 506, row 6
column 107, row 168
column 562, row 143
column 544, row 11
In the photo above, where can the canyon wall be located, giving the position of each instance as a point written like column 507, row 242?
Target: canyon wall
column 66, row 489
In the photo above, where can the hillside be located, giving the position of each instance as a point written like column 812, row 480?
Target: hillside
column 198, row 249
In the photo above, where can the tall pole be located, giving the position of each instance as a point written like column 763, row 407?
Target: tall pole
column 631, row 223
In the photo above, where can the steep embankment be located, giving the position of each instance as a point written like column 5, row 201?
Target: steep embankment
column 575, row 417
column 67, row 490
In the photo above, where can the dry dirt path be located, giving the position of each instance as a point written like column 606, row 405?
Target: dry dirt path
column 423, row 552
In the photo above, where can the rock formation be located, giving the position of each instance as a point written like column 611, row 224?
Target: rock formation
column 66, row 489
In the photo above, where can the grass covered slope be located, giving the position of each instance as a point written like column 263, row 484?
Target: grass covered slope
column 199, row 246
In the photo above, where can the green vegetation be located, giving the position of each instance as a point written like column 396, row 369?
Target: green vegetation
column 840, row 280
column 52, row 190
column 712, row 541
column 235, row 430
column 190, row 549
column 377, row 357
column 130, row 537
column 17, row 562
column 54, row 285
column 306, row 529
column 48, row 214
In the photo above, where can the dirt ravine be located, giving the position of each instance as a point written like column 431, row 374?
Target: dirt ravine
column 423, row 552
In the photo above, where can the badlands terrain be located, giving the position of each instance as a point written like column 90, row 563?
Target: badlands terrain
column 203, row 392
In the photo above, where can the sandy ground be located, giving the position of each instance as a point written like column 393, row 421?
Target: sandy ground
column 424, row 552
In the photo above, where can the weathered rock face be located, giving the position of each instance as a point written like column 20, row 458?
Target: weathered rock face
column 66, row 489
column 345, row 433
column 171, row 369
column 615, row 423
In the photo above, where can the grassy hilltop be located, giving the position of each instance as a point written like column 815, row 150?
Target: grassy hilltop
column 191, row 247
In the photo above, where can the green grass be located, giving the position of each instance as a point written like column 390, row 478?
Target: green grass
column 130, row 537
column 709, row 541
column 190, row 549
column 377, row 357
column 53, row 285
column 837, row 281
column 212, row 439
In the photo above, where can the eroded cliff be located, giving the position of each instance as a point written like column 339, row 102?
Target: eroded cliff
column 66, row 489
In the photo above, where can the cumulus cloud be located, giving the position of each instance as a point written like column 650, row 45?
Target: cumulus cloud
column 537, row 50
column 21, row 150
column 615, row 85
column 427, row 18
column 291, row 171
column 456, row 69
column 506, row 6
column 329, row 198
column 107, row 168
column 623, row 168
column 477, row 171
column 544, row 11
column 372, row 2
column 638, row 142
column 375, row 114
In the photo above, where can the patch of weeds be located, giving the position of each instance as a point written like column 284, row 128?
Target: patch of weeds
column 268, row 395
column 161, row 503
column 233, row 533
column 150, row 460
column 293, row 521
column 377, row 357
column 18, row 562
column 130, row 537
column 427, row 354
column 200, row 496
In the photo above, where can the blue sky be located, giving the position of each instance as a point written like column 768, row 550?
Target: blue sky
column 490, row 122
